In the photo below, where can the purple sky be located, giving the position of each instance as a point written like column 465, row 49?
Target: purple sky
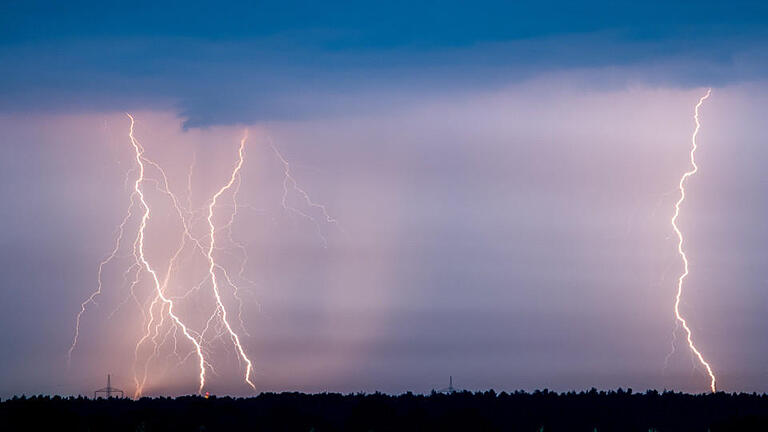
column 513, row 239
column 503, row 176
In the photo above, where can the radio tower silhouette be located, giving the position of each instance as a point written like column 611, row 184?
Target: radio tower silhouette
column 450, row 388
column 108, row 390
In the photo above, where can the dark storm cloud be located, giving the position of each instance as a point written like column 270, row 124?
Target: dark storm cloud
column 240, row 63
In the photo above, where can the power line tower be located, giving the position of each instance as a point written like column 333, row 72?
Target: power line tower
column 108, row 390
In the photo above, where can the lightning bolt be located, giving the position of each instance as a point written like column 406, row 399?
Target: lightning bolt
column 137, row 186
column 212, row 263
column 153, row 333
column 162, row 325
column 681, row 251
column 104, row 262
column 290, row 183
column 161, row 309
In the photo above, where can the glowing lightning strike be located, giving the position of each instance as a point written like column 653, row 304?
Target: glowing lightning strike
column 212, row 264
column 145, row 217
column 92, row 297
column 680, row 250
column 160, row 311
column 288, row 179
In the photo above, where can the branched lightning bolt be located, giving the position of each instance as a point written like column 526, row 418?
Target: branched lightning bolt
column 289, row 183
column 162, row 324
column 681, row 186
column 212, row 264
column 243, row 257
column 139, row 248
column 105, row 261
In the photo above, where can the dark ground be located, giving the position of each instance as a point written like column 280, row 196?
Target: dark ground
column 487, row 411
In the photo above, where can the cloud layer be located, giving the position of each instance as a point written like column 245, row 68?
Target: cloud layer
column 242, row 63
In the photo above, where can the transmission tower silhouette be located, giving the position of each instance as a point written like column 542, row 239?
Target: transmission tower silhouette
column 108, row 390
column 450, row 388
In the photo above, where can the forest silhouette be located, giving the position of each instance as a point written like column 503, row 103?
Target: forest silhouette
column 619, row 410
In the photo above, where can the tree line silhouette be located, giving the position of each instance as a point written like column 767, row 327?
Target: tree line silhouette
column 619, row 410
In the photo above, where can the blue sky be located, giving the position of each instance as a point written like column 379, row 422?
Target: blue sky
column 344, row 25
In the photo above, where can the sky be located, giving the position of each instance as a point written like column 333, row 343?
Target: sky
column 499, row 178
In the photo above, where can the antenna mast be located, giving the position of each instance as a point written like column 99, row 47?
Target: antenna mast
column 450, row 388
